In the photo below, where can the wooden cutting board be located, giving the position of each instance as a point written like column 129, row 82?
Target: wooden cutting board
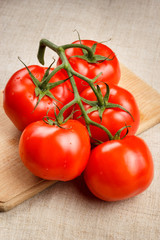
column 17, row 184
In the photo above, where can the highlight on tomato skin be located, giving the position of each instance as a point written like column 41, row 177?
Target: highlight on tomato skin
column 55, row 153
column 110, row 69
column 119, row 169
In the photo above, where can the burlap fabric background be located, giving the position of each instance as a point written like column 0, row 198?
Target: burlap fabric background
column 67, row 210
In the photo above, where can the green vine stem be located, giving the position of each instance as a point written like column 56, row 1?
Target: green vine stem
column 60, row 50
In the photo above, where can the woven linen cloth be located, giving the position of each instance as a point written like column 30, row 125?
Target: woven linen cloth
column 68, row 211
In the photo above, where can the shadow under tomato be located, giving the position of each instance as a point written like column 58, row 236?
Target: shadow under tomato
column 80, row 186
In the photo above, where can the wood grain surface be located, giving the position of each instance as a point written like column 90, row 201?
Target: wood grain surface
column 17, row 184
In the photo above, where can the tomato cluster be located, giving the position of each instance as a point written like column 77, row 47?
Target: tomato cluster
column 63, row 116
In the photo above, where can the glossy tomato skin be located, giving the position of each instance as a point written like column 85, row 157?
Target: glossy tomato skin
column 115, row 118
column 119, row 169
column 110, row 69
column 55, row 153
column 20, row 100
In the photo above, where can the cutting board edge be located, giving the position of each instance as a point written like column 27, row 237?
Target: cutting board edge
column 13, row 202
column 148, row 125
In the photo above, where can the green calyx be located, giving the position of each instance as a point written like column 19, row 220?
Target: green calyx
column 102, row 103
column 57, row 120
column 43, row 88
column 118, row 133
column 94, row 58
column 117, row 136
column 90, row 55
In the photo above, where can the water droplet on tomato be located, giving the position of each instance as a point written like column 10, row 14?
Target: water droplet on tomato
column 65, row 164
column 30, row 96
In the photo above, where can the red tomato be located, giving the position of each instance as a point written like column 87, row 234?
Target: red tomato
column 119, row 169
column 55, row 153
column 113, row 118
column 110, row 69
column 20, row 99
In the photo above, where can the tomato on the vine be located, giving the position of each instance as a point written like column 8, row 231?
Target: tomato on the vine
column 110, row 68
column 119, row 169
column 20, row 98
column 112, row 118
column 55, row 153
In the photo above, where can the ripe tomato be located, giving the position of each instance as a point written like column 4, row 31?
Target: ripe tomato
column 113, row 118
column 119, row 169
column 20, row 99
column 110, row 68
column 55, row 153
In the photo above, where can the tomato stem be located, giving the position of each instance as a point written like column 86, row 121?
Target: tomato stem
column 78, row 45
column 91, row 83
column 60, row 50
